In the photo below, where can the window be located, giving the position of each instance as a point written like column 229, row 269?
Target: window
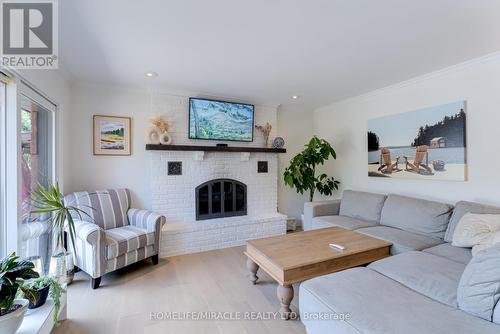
column 27, row 157
column 3, row 216
column 36, row 129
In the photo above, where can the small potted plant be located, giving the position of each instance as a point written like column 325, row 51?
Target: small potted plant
column 44, row 286
column 12, row 275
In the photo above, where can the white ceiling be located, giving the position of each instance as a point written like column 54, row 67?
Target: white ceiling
column 264, row 51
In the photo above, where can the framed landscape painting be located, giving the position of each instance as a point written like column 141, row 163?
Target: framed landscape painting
column 428, row 144
column 112, row 135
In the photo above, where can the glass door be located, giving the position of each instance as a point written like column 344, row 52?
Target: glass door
column 3, row 173
column 37, row 167
column 27, row 157
column 36, row 147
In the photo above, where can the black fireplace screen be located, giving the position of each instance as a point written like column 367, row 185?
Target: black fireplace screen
column 221, row 198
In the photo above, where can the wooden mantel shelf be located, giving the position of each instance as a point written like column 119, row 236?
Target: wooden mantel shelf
column 200, row 148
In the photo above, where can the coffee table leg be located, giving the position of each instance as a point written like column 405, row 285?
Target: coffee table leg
column 252, row 268
column 285, row 295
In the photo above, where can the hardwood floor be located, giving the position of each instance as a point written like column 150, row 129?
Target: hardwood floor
column 214, row 281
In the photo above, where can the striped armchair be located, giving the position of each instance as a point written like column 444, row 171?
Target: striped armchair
column 114, row 235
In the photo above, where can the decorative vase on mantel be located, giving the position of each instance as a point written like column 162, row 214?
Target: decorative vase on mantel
column 266, row 140
column 156, row 136
column 157, row 133
column 265, row 130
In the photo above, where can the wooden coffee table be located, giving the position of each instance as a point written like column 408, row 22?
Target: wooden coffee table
column 299, row 256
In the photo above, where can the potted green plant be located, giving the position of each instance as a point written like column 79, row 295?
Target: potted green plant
column 49, row 200
column 43, row 292
column 44, row 286
column 301, row 174
column 12, row 275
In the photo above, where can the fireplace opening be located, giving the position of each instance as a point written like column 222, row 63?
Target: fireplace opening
column 221, row 198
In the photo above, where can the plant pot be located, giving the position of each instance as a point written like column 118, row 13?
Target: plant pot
column 44, row 293
column 70, row 268
column 10, row 322
column 57, row 268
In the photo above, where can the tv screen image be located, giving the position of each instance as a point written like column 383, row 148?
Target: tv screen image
column 219, row 120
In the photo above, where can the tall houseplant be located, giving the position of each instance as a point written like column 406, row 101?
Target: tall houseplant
column 301, row 174
column 12, row 275
column 51, row 201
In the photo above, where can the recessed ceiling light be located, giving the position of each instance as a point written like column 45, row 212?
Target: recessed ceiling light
column 151, row 74
column 295, row 97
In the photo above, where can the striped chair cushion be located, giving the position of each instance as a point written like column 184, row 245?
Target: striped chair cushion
column 106, row 208
column 129, row 258
column 125, row 239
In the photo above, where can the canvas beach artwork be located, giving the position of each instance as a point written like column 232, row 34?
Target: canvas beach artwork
column 428, row 143
column 112, row 135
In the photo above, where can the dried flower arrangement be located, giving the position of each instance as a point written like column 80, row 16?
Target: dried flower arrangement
column 158, row 132
column 265, row 130
column 160, row 122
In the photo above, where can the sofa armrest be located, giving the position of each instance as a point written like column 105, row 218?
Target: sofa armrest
column 88, row 232
column 90, row 255
column 321, row 208
column 148, row 220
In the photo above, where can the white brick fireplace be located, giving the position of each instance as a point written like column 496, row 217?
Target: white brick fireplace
column 174, row 196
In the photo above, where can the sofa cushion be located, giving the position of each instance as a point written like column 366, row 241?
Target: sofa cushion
column 416, row 215
column 479, row 288
column 125, row 239
column 361, row 205
column 474, row 229
column 496, row 313
column 129, row 258
column 431, row 275
column 310, row 306
column 340, row 221
column 402, row 241
column 446, row 250
column 106, row 208
column 318, row 208
column 377, row 304
column 463, row 207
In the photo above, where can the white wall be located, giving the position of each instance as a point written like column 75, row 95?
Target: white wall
column 343, row 123
column 89, row 172
column 478, row 81
column 81, row 170
column 296, row 127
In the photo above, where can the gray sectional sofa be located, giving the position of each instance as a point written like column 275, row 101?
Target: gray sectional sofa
column 413, row 291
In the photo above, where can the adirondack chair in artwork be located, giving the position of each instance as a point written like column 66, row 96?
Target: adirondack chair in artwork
column 386, row 164
column 420, row 164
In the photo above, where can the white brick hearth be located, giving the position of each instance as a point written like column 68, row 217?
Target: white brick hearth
column 218, row 233
column 174, row 196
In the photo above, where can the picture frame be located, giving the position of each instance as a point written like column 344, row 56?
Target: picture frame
column 112, row 135
column 424, row 144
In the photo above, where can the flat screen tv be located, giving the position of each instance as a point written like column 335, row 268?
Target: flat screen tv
column 220, row 120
